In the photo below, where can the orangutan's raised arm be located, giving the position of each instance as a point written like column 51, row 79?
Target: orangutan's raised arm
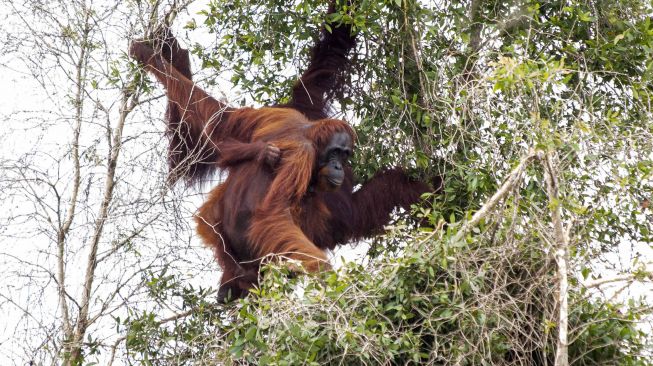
column 193, row 117
column 325, row 76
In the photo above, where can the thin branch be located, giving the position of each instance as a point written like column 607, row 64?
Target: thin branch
column 171, row 318
column 81, row 68
column 128, row 104
column 629, row 277
column 513, row 179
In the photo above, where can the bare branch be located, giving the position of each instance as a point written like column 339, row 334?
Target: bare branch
column 510, row 183
column 562, row 258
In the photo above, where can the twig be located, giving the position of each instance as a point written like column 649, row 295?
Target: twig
column 513, row 179
column 629, row 277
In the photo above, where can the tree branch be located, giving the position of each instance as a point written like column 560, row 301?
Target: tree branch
column 562, row 258
column 513, row 179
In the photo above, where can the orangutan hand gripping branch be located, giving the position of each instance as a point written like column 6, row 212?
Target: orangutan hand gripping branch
column 289, row 190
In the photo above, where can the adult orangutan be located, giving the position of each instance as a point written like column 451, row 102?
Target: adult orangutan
column 297, row 205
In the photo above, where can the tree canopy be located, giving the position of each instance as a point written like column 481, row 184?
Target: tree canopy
column 537, row 115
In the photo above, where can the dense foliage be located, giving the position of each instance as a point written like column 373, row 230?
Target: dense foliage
column 436, row 304
column 465, row 90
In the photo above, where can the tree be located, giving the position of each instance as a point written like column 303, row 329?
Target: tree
column 539, row 124
column 81, row 225
column 537, row 115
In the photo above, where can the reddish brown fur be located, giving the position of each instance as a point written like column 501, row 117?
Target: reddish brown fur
column 286, row 213
column 277, row 208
